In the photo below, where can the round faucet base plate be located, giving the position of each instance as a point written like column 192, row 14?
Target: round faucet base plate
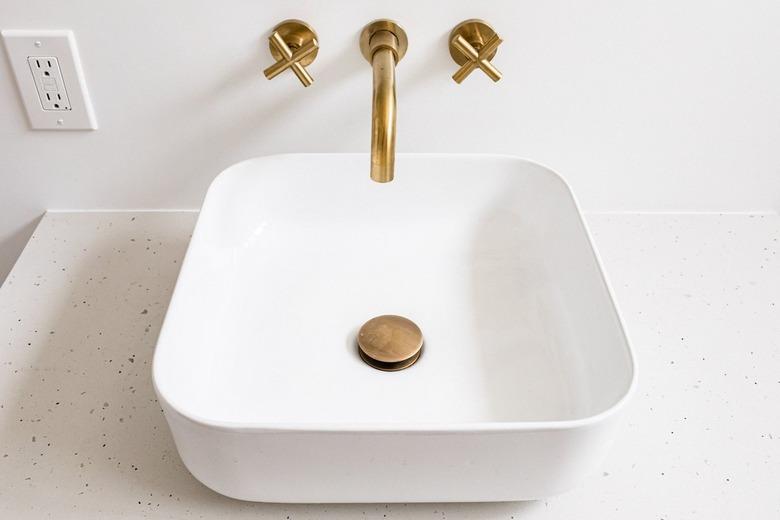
column 477, row 33
column 382, row 25
column 296, row 34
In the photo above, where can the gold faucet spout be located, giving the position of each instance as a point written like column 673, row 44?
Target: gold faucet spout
column 383, row 44
column 383, row 116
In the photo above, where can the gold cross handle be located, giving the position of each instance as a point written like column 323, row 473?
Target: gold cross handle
column 293, row 45
column 473, row 44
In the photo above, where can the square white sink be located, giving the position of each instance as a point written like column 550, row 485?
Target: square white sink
column 525, row 364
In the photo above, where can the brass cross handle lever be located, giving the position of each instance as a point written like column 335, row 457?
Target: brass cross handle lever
column 293, row 45
column 473, row 43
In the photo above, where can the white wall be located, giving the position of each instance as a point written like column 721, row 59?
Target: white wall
column 663, row 105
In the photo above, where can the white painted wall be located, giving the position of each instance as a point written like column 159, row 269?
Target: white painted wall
column 663, row 105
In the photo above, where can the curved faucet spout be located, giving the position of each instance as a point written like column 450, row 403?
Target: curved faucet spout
column 383, row 117
column 383, row 43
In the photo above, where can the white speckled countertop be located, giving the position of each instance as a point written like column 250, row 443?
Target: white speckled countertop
column 82, row 436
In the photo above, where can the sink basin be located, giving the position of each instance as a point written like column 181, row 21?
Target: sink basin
column 525, row 366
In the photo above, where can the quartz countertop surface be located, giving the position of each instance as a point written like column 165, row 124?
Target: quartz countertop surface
column 82, row 434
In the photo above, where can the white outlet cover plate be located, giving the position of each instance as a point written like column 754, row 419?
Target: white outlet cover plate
column 23, row 44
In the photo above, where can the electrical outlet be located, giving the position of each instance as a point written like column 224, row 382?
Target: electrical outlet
column 50, row 79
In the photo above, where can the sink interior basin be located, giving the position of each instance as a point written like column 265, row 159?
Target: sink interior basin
column 487, row 254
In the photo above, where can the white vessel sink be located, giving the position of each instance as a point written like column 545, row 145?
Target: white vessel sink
column 525, row 364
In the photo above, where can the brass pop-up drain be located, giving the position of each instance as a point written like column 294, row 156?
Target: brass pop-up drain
column 390, row 342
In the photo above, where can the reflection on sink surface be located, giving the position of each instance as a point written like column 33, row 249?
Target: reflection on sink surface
column 525, row 361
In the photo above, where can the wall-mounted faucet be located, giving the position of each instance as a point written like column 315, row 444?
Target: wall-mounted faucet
column 472, row 43
column 383, row 43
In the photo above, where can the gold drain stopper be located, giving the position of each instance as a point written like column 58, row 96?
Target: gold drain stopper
column 390, row 342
